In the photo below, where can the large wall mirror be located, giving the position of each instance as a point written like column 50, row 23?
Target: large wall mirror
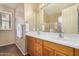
column 5, row 20
column 61, row 17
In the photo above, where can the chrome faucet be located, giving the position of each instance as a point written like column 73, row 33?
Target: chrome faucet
column 59, row 30
column 60, row 35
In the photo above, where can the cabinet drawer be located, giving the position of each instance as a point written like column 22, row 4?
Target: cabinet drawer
column 65, row 49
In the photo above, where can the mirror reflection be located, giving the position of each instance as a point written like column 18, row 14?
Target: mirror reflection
column 60, row 17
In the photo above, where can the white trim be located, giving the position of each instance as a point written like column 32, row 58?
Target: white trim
column 5, row 12
column 7, row 44
column 21, row 50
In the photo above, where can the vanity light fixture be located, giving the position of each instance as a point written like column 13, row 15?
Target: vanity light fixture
column 44, row 5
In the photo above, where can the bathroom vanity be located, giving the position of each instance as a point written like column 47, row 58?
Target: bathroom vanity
column 59, row 34
column 44, row 45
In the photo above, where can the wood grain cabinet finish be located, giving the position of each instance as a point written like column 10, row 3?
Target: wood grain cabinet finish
column 76, row 52
column 30, row 45
column 57, row 47
column 34, row 46
column 57, row 53
column 48, row 51
column 39, row 47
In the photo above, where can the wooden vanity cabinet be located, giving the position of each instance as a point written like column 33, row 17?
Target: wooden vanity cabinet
column 76, row 52
column 34, row 46
column 30, row 45
column 59, row 49
column 57, row 53
column 39, row 47
column 48, row 51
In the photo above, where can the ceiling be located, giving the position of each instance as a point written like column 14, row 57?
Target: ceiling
column 34, row 6
column 56, row 8
column 11, row 5
column 16, row 6
column 50, row 9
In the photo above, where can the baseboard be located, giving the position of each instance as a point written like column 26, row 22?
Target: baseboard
column 7, row 44
column 20, row 50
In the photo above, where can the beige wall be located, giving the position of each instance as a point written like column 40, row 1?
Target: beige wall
column 70, row 20
column 8, row 36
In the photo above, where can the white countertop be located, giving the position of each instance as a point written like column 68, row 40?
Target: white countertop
column 67, row 40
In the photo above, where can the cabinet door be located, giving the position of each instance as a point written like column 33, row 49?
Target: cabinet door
column 61, row 48
column 39, row 50
column 38, row 47
column 76, row 52
column 30, row 45
column 48, row 51
column 57, row 53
